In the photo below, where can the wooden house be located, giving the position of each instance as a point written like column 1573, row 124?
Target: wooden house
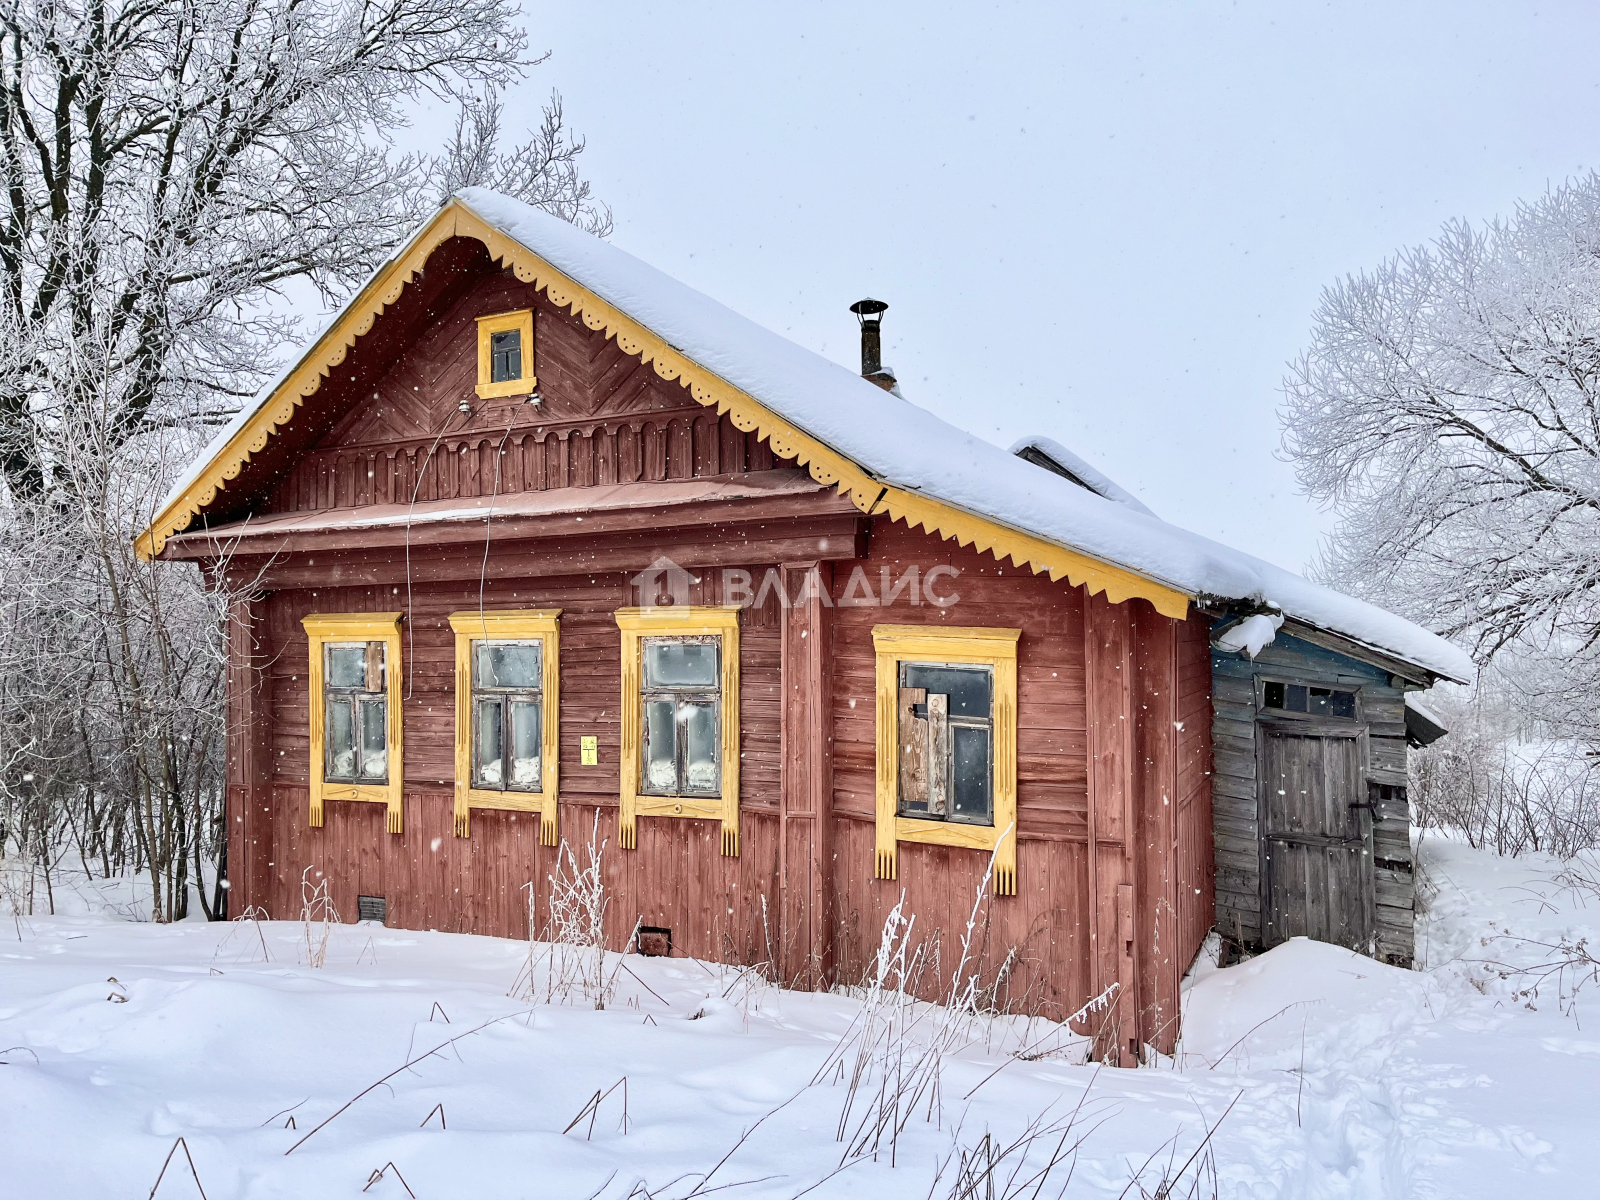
column 534, row 541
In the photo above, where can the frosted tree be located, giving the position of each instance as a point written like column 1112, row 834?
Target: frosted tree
column 181, row 176
column 1448, row 409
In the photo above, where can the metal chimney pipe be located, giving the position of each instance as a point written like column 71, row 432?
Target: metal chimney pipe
column 870, row 313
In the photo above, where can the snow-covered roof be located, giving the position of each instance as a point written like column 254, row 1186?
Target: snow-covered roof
column 1078, row 470
column 906, row 447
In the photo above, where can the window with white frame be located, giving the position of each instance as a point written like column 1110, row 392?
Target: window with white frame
column 355, row 708
column 681, row 697
column 507, row 715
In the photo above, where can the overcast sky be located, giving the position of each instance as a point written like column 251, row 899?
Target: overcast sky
column 1109, row 228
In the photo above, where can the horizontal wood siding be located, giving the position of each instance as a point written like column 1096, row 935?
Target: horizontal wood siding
column 436, row 881
column 1040, row 940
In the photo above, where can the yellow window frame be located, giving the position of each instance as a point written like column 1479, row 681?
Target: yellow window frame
column 994, row 648
column 522, row 321
column 635, row 625
column 516, row 624
column 384, row 627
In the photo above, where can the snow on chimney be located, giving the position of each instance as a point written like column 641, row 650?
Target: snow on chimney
column 870, row 313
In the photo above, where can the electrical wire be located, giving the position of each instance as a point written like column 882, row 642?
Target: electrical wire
column 488, row 519
column 416, row 488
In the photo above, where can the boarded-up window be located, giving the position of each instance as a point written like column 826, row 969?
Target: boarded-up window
column 681, row 700
column 355, row 713
column 507, row 715
column 946, row 738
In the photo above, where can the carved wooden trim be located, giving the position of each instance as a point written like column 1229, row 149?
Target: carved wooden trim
column 827, row 466
column 635, row 624
column 995, row 648
column 484, row 625
column 377, row 627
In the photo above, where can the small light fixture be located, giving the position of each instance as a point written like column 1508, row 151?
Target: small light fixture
column 464, row 408
column 534, row 397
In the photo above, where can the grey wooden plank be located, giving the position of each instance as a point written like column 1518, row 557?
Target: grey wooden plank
column 1232, row 787
column 1388, row 754
column 1228, row 743
column 1231, row 762
column 1239, row 845
column 1233, row 690
column 1234, row 712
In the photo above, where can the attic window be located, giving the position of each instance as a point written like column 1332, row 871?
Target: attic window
column 505, row 354
column 1312, row 701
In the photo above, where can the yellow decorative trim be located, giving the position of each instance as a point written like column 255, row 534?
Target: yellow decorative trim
column 826, row 465
column 638, row 623
column 515, row 623
column 996, row 648
column 522, row 322
column 357, row 627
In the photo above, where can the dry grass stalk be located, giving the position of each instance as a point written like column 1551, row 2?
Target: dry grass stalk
column 317, row 916
column 892, row 1056
column 571, row 946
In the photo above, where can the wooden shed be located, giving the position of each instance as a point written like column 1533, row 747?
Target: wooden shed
column 535, row 541
column 1313, row 830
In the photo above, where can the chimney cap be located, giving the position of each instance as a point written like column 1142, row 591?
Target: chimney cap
column 868, row 307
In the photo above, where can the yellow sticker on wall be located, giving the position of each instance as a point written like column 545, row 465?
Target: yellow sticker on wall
column 589, row 751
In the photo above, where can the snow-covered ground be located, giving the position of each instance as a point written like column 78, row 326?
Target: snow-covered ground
column 1346, row 1078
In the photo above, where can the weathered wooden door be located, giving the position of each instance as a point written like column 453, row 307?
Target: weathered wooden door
column 1317, row 837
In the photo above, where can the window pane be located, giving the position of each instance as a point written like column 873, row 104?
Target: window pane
column 680, row 664
column 660, row 741
column 347, row 666
column 971, row 776
column 1295, row 698
column 700, row 747
column 374, row 739
column 970, row 688
column 338, row 737
column 1274, row 695
column 505, row 356
column 1343, row 705
column 525, row 745
column 508, row 664
column 488, row 768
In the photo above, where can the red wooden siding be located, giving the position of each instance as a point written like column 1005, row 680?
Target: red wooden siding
column 1114, row 846
column 605, row 418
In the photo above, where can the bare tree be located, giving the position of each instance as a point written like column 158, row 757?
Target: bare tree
column 177, row 175
column 1448, row 408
